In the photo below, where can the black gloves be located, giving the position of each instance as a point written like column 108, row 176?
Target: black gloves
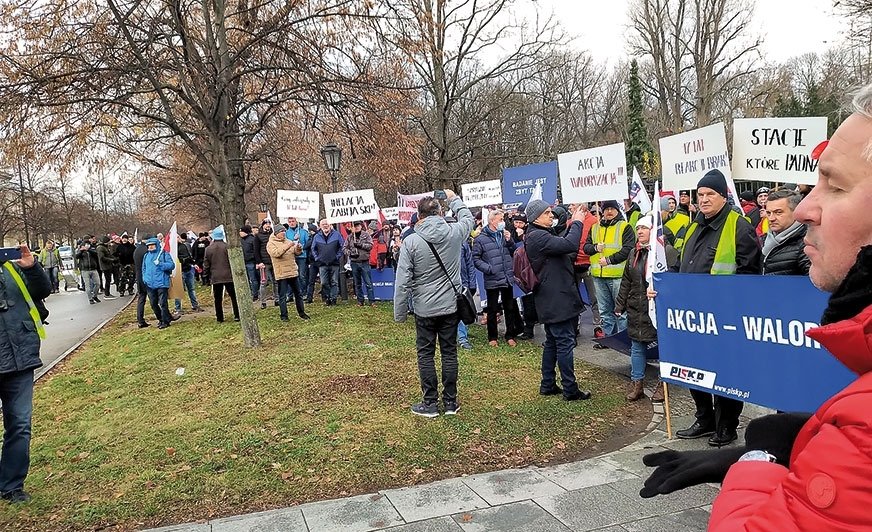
column 678, row 470
column 775, row 434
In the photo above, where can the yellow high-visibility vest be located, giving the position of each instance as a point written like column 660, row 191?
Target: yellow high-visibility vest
column 676, row 223
column 725, row 253
column 612, row 240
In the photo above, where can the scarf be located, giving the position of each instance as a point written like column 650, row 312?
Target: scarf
column 773, row 240
column 855, row 292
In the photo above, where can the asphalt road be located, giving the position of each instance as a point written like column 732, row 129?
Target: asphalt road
column 71, row 318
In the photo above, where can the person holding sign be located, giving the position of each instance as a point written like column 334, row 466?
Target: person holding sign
column 718, row 242
column 800, row 472
column 609, row 244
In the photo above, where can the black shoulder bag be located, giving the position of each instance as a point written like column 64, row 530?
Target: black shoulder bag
column 465, row 303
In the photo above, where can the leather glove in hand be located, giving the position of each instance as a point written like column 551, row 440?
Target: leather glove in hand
column 775, row 434
column 678, row 470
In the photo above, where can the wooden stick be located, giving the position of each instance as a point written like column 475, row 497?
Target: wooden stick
column 666, row 407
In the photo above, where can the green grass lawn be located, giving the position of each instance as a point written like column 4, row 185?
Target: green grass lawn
column 322, row 410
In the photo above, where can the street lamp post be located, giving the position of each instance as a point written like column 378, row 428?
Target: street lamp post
column 332, row 155
column 261, row 212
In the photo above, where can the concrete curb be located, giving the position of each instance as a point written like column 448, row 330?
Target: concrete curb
column 45, row 369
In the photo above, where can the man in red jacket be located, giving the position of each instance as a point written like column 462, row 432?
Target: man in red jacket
column 796, row 472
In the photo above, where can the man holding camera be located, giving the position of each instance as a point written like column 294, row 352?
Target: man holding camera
column 22, row 282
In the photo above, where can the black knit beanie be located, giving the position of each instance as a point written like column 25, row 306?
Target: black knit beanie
column 714, row 180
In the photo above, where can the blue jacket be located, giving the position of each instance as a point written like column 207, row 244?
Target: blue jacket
column 467, row 266
column 157, row 275
column 492, row 254
column 303, row 233
column 327, row 249
column 19, row 341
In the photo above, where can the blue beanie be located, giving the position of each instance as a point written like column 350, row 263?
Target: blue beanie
column 218, row 233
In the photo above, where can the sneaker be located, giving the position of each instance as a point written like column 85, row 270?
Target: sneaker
column 16, row 496
column 598, row 332
column 525, row 336
column 263, row 305
column 426, row 409
column 91, row 301
column 109, row 296
column 143, row 325
column 96, row 299
column 163, row 325
column 465, row 345
column 451, row 407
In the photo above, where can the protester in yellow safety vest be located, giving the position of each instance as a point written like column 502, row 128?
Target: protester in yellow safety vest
column 21, row 286
column 632, row 212
column 674, row 223
column 609, row 244
column 720, row 242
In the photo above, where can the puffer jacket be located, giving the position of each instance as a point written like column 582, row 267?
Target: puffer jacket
column 157, row 275
column 551, row 256
column 327, row 249
column 19, row 341
column 87, row 259
column 492, row 255
column 418, row 273
column 827, row 485
column 248, row 243
column 284, row 257
column 467, row 266
column 788, row 257
column 633, row 295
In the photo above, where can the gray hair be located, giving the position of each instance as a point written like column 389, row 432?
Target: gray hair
column 862, row 101
column 792, row 197
column 494, row 213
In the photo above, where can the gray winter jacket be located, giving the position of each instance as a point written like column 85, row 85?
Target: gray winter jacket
column 418, row 273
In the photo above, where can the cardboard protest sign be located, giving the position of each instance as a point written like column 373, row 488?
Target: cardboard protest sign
column 777, row 149
column 686, row 157
column 482, row 193
column 715, row 340
column 594, row 174
column 350, row 206
column 297, row 204
column 390, row 213
column 520, row 181
column 407, row 205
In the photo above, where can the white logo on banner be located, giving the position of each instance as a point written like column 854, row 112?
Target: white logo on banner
column 698, row 377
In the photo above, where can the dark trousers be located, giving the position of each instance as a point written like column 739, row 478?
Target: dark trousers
column 16, row 393
column 141, row 296
column 361, row 272
column 514, row 326
column 311, row 278
column 157, row 297
column 530, row 316
column 716, row 411
column 301, row 277
column 557, row 351
column 127, row 278
column 53, row 277
column 286, row 287
column 253, row 279
column 427, row 331
column 218, row 294
column 107, row 282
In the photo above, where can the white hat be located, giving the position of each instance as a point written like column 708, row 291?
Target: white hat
column 645, row 221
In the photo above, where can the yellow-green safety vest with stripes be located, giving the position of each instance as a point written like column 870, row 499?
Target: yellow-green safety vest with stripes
column 634, row 217
column 676, row 223
column 34, row 313
column 725, row 253
column 612, row 241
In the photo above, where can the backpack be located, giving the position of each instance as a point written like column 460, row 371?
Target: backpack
column 525, row 276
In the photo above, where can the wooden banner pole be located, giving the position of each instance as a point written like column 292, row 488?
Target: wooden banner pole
column 668, row 413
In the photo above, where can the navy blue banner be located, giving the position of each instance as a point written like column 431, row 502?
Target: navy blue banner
column 743, row 337
column 382, row 284
column 519, row 182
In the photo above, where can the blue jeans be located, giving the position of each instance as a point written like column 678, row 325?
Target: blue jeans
column 462, row 333
column 16, row 393
column 637, row 360
column 188, row 283
column 557, row 351
column 362, row 273
column 329, row 274
column 311, row 278
column 157, row 297
column 606, row 295
column 253, row 279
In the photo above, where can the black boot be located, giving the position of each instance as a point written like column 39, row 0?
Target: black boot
column 697, row 430
column 723, row 436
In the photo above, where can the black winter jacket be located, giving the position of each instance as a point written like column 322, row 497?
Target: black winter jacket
column 88, row 260
column 788, row 258
column 19, row 341
column 138, row 255
column 494, row 259
column 698, row 254
column 633, row 295
column 186, row 259
column 249, row 242
column 556, row 298
column 125, row 254
column 260, row 254
column 198, row 250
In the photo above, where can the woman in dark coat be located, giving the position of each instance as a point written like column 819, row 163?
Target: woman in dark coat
column 633, row 299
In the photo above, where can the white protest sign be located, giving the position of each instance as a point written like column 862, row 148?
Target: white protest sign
column 350, row 206
column 391, row 213
column 594, row 174
column 482, row 193
column 296, row 204
column 777, row 149
column 408, row 205
column 686, row 157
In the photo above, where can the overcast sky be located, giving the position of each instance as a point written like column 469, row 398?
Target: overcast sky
column 788, row 27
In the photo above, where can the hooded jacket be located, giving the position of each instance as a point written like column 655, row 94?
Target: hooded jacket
column 284, row 257
column 125, row 253
column 492, row 255
column 19, row 340
column 156, row 266
column 260, row 253
column 827, row 485
column 419, row 275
